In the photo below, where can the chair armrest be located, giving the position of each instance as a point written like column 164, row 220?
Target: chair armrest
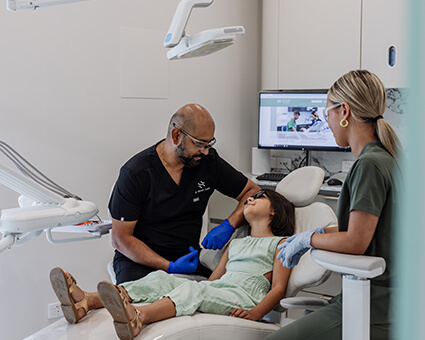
column 210, row 258
column 303, row 303
column 366, row 267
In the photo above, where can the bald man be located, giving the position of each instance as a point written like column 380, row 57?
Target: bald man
column 161, row 195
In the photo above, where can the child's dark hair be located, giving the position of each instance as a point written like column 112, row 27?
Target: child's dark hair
column 283, row 220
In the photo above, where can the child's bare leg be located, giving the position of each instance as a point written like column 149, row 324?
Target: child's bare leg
column 159, row 310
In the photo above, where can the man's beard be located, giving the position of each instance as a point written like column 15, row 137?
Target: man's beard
column 186, row 160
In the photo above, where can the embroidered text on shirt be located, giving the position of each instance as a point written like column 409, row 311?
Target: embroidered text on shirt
column 202, row 187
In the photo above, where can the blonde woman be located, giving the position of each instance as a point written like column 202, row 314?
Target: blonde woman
column 354, row 111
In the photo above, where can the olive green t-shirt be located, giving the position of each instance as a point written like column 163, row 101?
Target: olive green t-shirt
column 372, row 186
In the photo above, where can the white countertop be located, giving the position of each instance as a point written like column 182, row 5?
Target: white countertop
column 331, row 190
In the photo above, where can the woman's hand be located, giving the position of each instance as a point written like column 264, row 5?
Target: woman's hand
column 296, row 246
column 243, row 314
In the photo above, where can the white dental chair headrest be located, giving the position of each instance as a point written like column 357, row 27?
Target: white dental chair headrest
column 302, row 185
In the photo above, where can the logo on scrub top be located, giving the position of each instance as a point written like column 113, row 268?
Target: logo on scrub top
column 202, row 186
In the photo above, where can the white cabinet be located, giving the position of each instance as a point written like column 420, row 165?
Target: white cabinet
column 311, row 43
column 384, row 29
column 270, row 45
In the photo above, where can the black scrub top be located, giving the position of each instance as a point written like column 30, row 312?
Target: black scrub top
column 169, row 216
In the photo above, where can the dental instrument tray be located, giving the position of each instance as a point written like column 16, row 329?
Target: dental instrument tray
column 89, row 226
column 93, row 226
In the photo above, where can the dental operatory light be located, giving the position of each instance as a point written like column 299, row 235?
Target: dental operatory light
column 199, row 44
column 16, row 5
column 43, row 204
column 182, row 45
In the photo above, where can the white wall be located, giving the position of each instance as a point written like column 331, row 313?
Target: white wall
column 60, row 107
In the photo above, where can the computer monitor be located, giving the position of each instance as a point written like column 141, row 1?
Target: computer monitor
column 293, row 119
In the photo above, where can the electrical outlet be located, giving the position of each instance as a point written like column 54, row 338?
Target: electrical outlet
column 54, row 310
column 346, row 165
column 284, row 164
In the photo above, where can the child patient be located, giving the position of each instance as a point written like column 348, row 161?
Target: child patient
column 248, row 282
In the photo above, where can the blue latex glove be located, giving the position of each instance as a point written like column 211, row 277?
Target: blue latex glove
column 218, row 236
column 186, row 264
column 295, row 247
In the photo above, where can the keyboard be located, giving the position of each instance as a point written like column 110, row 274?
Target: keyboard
column 271, row 176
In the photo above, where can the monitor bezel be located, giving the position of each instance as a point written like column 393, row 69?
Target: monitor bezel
column 295, row 147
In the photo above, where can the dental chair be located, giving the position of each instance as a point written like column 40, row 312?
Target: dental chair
column 301, row 188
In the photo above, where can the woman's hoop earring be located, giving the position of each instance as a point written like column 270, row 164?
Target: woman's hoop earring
column 343, row 123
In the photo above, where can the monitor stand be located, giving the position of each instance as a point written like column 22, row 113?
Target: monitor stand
column 307, row 158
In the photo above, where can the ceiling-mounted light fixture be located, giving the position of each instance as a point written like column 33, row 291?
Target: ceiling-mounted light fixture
column 199, row 44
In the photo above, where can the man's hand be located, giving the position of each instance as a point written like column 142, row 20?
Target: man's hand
column 218, row 236
column 186, row 264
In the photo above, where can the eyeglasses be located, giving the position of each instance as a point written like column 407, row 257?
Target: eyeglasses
column 326, row 110
column 198, row 143
column 257, row 195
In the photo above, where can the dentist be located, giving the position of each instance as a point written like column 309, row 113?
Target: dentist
column 160, row 197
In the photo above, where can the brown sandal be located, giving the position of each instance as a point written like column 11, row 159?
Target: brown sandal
column 63, row 287
column 116, row 302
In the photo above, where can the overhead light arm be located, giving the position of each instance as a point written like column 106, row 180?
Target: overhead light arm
column 16, row 5
column 180, row 19
column 181, row 44
column 200, row 44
